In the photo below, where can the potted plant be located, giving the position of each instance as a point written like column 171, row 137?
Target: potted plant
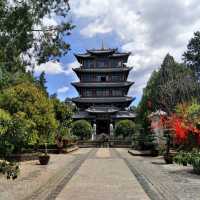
column 154, row 151
column 168, row 156
column 194, row 160
column 44, row 157
column 10, row 169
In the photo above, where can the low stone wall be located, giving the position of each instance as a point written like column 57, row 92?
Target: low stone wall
column 109, row 143
column 88, row 144
column 20, row 157
column 23, row 157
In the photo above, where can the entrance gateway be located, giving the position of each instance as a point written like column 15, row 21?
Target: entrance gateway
column 103, row 89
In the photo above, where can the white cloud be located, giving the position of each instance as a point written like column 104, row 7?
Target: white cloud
column 54, row 67
column 94, row 28
column 63, row 89
column 51, row 67
column 149, row 29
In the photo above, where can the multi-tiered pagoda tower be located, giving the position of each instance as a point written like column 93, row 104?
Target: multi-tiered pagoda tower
column 103, row 88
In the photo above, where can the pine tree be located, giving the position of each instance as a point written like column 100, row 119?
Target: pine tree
column 192, row 55
column 42, row 81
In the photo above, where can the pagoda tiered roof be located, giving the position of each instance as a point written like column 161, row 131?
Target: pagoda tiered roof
column 102, row 109
column 101, row 51
column 124, row 115
column 102, row 84
column 91, row 53
column 103, row 100
column 106, row 70
column 115, row 116
column 83, row 115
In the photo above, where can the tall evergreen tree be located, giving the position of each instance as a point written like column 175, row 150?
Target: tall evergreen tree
column 192, row 55
column 42, row 81
column 172, row 84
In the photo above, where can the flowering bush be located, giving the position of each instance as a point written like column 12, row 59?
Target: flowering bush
column 185, row 122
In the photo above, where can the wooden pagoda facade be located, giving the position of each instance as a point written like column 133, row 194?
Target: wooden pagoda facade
column 103, row 88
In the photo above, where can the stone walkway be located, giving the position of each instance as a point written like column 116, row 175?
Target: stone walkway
column 36, row 181
column 103, row 177
column 162, row 181
column 101, row 174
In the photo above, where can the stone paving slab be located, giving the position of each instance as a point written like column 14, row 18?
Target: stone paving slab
column 103, row 153
column 100, row 179
column 171, row 182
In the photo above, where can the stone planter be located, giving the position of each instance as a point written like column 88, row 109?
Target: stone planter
column 196, row 169
column 44, row 159
column 168, row 159
column 154, row 152
column 184, row 163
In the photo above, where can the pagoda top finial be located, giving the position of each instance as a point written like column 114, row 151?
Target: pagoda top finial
column 102, row 45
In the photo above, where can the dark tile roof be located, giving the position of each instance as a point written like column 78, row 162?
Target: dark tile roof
column 110, row 52
column 102, row 109
column 117, row 69
column 82, row 115
column 120, row 54
column 101, row 51
column 117, row 115
column 103, row 84
column 124, row 115
column 103, row 100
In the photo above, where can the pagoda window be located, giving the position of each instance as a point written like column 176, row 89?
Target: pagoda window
column 88, row 93
column 98, row 92
column 102, row 78
column 102, row 92
column 106, row 93
column 101, row 63
column 117, row 63
column 89, row 63
column 116, row 92
column 116, row 78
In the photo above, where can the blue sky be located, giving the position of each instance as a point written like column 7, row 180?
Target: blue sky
column 148, row 29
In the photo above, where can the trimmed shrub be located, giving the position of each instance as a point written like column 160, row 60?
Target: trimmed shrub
column 82, row 129
column 125, row 128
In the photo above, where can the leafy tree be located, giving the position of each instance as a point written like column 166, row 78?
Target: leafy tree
column 21, row 131
column 125, row 128
column 26, row 40
column 63, row 114
column 192, row 55
column 82, row 129
column 5, row 118
column 63, row 111
column 32, row 107
column 23, row 31
column 26, row 112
